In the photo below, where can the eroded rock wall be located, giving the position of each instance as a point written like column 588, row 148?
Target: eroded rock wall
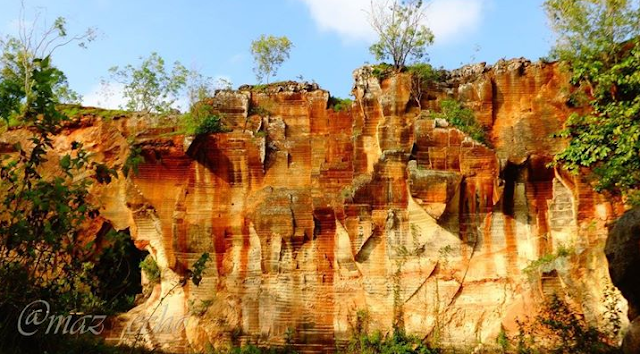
column 311, row 215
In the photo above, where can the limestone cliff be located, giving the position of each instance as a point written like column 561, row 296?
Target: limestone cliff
column 311, row 215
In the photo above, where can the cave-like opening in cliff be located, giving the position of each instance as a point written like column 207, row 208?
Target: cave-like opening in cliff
column 117, row 268
column 509, row 175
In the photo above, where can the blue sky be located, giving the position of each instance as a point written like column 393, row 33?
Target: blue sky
column 331, row 37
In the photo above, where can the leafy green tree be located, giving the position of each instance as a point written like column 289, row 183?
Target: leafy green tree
column 598, row 41
column 42, row 256
column 402, row 36
column 269, row 52
column 421, row 75
column 151, row 87
column 17, row 63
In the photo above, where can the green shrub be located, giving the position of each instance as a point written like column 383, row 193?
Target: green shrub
column 150, row 269
column 503, row 340
column 340, row 104
column 202, row 118
column 559, row 329
column 250, row 348
column 209, row 125
column 535, row 265
column 397, row 342
column 134, row 159
column 259, row 110
column 462, row 118
column 77, row 111
column 425, row 72
column 382, row 71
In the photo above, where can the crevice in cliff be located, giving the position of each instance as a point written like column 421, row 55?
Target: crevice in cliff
column 426, row 279
column 368, row 246
column 495, row 104
column 510, row 175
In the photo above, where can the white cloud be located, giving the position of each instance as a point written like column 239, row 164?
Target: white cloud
column 448, row 19
column 105, row 95
column 347, row 18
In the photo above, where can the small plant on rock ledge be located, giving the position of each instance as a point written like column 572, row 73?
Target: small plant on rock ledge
column 382, row 71
column 536, row 265
column 150, row 268
column 209, row 125
column 461, row 117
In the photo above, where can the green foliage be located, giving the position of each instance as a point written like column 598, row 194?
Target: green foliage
column 269, row 52
column 18, row 63
column 503, row 340
column 253, row 349
column 559, row 329
column 424, row 71
column 134, row 160
column 13, row 74
column 42, row 213
column 340, row 104
column 151, row 87
column 401, row 33
column 74, row 111
column 197, row 271
column 536, row 265
column 422, row 74
column 194, row 274
column 150, row 268
column 599, row 42
column 259, row 110
column 210, row 125
column 116, row 279
column 462, row 118
column 381, row 71
column 397, row 342
column 202, row 118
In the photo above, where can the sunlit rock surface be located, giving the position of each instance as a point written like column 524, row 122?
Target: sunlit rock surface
column 310, row 215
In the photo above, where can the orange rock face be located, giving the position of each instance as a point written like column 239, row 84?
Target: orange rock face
column 311, row 215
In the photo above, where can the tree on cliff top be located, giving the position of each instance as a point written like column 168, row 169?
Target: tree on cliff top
column 20, row 57
column 402, row 36
column 599, row 41
column 269, row 52
column 151, row 87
